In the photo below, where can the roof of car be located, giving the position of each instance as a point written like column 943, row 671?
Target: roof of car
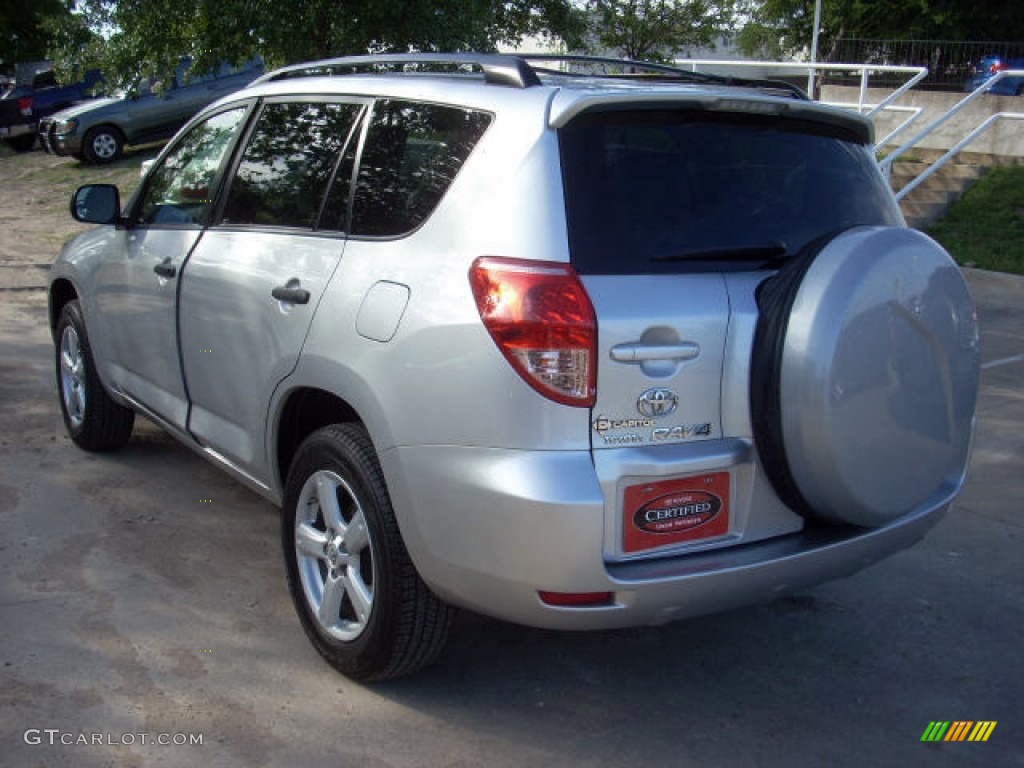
column 569, row 85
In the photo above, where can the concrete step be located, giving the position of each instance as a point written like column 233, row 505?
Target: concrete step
column 922, row 215
column 926, row 203
column 950, row 177
column 952, row 169
column 965, row 158
column 923, row 194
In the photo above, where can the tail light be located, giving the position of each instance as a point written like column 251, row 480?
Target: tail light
column 996, row 66
column 540, row 316
column 25, row 106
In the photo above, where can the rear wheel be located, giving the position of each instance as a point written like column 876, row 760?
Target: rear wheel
column 357, row 593
column 103, row 144
column 22, row 143
column 92, row 419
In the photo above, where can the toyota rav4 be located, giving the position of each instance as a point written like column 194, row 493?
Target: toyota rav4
column 570, row 345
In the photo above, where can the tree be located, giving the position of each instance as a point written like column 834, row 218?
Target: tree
column 655, row 29
column 22, row 33
column 781, row 27
column 144, row 38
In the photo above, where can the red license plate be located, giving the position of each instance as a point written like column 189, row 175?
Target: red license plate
column 673, row 511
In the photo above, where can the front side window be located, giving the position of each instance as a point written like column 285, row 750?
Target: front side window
column 288, row 164
column 413, row 153
column 181, row 189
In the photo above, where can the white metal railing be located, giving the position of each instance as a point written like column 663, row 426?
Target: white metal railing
column 917, row 74
column 931, row 169
column 915, row 113
column 886, row 164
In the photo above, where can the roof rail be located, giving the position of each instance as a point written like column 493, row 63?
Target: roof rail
column 515, row 71
column 639, row 69
column 497, row 69
column 645, row 67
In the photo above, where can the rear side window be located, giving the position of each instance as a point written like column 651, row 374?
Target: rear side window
column 667, row 191
column 288, row 164
column 413, row 153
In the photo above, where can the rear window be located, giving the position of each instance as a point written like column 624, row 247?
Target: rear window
column 668, row 191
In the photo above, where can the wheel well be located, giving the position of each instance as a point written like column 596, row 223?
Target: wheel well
column 306, row 411
column 61, row 292
column 111, row 128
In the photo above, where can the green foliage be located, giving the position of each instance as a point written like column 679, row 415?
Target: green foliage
column 141, row 38
column 985, row 228
column 654, row 30
column 783, row 27
column 23, row 36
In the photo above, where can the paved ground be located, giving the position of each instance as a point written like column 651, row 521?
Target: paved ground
column 143, row 593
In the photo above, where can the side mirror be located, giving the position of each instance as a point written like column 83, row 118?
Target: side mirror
column 96, row 204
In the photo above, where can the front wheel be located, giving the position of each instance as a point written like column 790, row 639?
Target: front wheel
column 102, row 144
column 93, row 420
column 357, row 593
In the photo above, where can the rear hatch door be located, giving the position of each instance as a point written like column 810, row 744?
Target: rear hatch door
column 675, row 214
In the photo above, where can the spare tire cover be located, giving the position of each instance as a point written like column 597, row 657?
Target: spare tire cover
column 864, row 376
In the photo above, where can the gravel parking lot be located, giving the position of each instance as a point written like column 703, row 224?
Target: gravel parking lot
column 143, row 608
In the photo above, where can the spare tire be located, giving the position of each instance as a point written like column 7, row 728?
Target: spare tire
column 864, row 376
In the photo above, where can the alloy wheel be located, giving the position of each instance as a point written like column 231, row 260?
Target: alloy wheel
column 72, row 376
column 334, row 556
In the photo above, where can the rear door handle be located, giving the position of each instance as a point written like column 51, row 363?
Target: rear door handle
column 165, row 269
column 291, row 294
column 638, row 352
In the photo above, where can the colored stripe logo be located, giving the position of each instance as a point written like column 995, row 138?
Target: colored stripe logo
column 959, row 730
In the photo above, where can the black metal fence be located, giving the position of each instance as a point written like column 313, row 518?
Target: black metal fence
column 950, row 62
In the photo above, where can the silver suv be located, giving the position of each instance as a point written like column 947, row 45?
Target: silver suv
column 571, row 347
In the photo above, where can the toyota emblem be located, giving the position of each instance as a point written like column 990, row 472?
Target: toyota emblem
column 657, row 402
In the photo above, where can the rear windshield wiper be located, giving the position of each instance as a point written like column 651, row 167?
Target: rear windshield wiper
column 747, row 253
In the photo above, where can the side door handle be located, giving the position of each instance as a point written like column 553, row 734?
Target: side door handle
column 291, row 294
column 166, row 269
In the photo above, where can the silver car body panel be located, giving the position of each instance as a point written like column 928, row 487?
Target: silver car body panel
column 135, row 312
column 488, row 529
column 237, row 341
column 674, row 328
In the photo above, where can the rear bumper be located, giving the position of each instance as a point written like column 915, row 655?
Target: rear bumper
column 488, row 529
column 14, row 131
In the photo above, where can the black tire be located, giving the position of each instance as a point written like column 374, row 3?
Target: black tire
column 23, row 143
column 92, row 419
column 358, row 559
column 102, row 144
column 775, row 299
